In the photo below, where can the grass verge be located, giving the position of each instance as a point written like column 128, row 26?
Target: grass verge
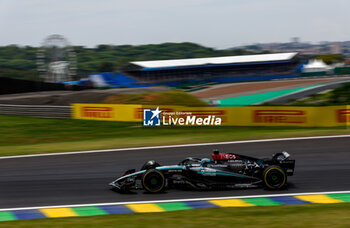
column 314, row 215
column 170, row 97
column 26, row 135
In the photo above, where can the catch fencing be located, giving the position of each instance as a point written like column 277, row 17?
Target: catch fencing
column 36, row 110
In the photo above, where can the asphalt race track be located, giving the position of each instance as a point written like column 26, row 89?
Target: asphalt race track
column 321, row 165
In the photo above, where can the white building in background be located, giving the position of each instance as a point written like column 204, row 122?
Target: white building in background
column 316, row 65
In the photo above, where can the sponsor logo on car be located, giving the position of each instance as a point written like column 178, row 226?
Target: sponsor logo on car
column 175, row 171
column 217, row 166
column 97, row 112
column 343, row 115
column 207, row 172
column 287, row 162
column 226, row 157
column 279, row 116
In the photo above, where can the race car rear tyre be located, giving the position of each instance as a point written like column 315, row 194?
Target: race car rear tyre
column 153, row 181
column 274, row 177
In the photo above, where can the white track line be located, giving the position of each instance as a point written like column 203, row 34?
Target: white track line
column 170, row 201
column 177, row 146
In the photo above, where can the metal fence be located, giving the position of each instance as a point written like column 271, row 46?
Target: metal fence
column 36, row 110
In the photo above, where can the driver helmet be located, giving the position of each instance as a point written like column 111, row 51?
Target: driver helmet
column 204, row 161
column 216, row 151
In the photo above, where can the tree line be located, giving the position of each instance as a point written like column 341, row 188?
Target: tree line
column 20, row 62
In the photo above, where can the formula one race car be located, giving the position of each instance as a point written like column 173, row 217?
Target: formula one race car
column 222, row 171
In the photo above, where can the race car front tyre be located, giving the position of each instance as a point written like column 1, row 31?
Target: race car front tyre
column 274, row 177
column 153, row 181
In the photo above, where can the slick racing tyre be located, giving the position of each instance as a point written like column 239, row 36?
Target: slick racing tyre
column 274, row 177
column 153, row 181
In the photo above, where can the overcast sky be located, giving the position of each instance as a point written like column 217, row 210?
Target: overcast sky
column 213, row 23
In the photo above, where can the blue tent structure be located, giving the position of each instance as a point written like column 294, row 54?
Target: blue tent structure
column 111, row 80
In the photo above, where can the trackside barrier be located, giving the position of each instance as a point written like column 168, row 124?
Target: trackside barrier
column 328, row 116
column 36, row 110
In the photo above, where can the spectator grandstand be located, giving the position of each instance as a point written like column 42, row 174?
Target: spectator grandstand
column 218, row 69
